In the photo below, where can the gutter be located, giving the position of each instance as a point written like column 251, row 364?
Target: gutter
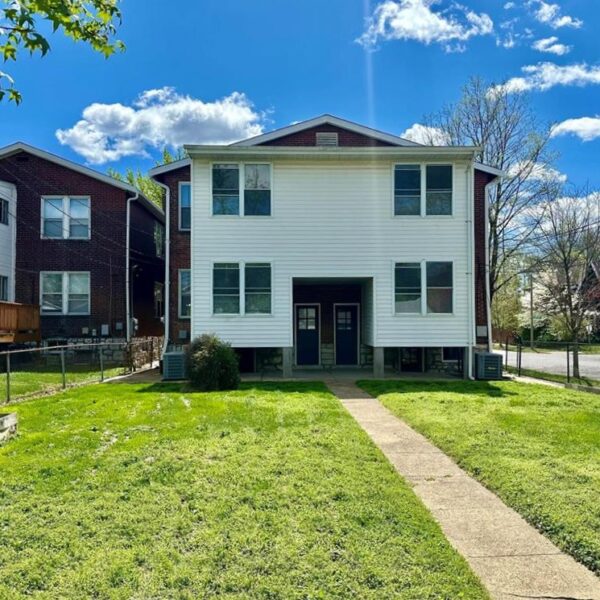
column 128, row 266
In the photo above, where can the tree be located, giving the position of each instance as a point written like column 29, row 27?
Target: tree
column 149, row 188
column 504, row 126
column 568, row 244
column 90, row 21
column 507, row 306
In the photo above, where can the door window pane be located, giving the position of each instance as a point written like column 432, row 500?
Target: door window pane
column 439, row 287
column 344, row 320
column 407, row 190
column 258, row 288
column 226, row 288
column 257, row 190
column 226, row 189
column 307, row 318
column 408, row 287
column 439, row 190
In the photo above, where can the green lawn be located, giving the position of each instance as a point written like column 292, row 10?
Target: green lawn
column 27, row 380
column 536, row 446
column 150, row 491
column 552, row 376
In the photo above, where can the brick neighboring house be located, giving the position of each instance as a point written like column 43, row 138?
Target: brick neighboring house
column 67, row 232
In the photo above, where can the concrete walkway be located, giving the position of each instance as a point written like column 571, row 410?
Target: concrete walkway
column 513, row 560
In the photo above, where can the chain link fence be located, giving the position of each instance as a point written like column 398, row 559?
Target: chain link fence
column 36, row 371
column 563, row 362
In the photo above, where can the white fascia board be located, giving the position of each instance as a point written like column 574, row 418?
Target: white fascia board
column 490, row 170
column 172, row 166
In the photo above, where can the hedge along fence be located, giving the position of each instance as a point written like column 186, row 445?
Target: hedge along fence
column 34, row 371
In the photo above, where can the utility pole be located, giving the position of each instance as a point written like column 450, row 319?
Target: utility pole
column 531, row 330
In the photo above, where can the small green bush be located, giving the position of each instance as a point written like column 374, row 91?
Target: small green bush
column 212, row 364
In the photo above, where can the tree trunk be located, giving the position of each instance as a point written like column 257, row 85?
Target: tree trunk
column 576, row 361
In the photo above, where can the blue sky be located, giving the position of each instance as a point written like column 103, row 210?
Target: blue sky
column 212, row 71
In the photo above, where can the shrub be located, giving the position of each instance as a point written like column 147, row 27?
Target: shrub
column 212, row 364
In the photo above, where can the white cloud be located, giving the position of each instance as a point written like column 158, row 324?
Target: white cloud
column 550, row 14
column 540, row 172
column 544, row 76
column 159, row 117
column 417, row 20
column 509, row 5
column 428, row 136
column 585, row 128
column 551, row 45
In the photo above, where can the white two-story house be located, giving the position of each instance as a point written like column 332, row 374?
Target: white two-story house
column 330, row 244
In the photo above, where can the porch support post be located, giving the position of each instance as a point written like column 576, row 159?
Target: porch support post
column 287, row 362
column 467, row 360
column 378, row 362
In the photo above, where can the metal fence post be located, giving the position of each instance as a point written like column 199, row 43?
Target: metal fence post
column 568, row 365
column 519, row 358
column 7, row 377
column 62, row 367
column 506, row 352
column 151, row 352
column 101, row 363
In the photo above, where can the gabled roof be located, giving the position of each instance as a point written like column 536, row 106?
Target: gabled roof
column 172, row 166
column 326, row 120
column 69, row 164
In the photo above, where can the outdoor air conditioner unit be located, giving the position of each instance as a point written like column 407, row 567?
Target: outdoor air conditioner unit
column 174, row 365
column 488, row 365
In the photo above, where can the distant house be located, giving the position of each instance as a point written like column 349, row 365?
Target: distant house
column 330, row 244
column 85, row 247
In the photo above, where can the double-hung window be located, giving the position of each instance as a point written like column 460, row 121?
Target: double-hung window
column 159, row 239
column 66, row 218
column 158, row 300
column 185, row 294
column 229, row 279
column 241, row 189
column 3, row 211
column 431, row 280
column 407, row 190
column 423, row 190
column 65, row 293
column 185, row 206
column 3, row 288
column 439, row 190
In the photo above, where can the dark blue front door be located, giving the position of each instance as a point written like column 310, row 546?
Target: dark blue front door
column 346, row 334
column 307, row 335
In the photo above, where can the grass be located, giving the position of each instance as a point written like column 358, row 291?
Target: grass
column 150, row 491
column 28, row 380
column 537, row 447
column 546, row 348
column 552, row 376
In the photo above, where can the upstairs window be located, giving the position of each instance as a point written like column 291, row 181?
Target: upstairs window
column 159, row 240
column 66, row 218
column 158, row 300
column 226, row 189
column 408, row 288
column 226, row 288
column 3, row 288
column 258, row 288
column 3, row 211
column 185, row 206
column 65, row 293
column 185, row 294
column 439, row 190
column 439, row 287
column 257, row 190
column 407, row 190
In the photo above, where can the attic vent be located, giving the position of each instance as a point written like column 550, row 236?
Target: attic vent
column 327, row 138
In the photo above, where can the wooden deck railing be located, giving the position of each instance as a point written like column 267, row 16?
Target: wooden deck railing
column 19, row 323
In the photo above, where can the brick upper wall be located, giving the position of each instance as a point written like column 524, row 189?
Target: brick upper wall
column 308, row 137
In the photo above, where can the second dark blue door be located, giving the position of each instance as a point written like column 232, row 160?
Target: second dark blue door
column 346, row 334
column 307, row 335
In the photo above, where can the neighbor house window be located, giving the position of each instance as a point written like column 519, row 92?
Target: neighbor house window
column 185, row 206
column 226, row 189
column 408, row 287
column 3, row 211
column 159, row 239
column 158, row 299
column 185, row 294
column 257, row 190
column 3, row 288
column 258, row 288
column 226, row 288
column 439, row 190
column 407, row 190
column 65, row 293
column 66, row 218
column 439, row 287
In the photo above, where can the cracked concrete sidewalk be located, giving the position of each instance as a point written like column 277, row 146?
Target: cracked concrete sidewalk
column 511, row 558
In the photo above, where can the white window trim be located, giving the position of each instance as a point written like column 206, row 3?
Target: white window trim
column 423, row 167
column 423, row 312
column 65, row 294
column 7, row 203
column 7, row 290
column 65, row 217
column 242, row 266
column 242, row 187
column 180, row 315
column 179, row 206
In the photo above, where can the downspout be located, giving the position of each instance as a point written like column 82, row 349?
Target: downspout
column 471, row 266
column 128, row 267
column 167, row 288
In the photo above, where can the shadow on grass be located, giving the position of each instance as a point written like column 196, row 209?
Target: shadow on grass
column 486, row 389
column 287, row 387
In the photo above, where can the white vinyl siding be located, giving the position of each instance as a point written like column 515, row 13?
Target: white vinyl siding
column 65, row 293
column 334, row 219
column 66, row 217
